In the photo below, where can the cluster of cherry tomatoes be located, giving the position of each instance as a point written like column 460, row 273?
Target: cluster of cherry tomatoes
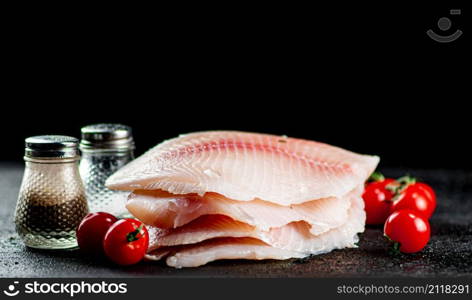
column 124, row 241
column 404, row 206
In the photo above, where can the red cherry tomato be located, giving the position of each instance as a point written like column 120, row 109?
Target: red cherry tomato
column 416, row 196
column 91, row 231
column 408, row 228
column 126, row 242
column 377, row 199
column 427, row 189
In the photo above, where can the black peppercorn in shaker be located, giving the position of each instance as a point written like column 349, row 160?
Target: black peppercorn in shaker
column 51, row 202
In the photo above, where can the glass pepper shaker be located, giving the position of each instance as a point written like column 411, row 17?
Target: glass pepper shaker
column 51, row 202
column 105, row 149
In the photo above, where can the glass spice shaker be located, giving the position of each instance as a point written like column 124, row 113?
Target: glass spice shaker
column 105, row 149
column 51, row 202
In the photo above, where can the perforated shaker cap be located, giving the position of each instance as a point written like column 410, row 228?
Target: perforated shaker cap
column 106, row 137
column 51, row 146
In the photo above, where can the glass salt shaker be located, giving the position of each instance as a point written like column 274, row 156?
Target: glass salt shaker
column 51, row 202
column 105, row 149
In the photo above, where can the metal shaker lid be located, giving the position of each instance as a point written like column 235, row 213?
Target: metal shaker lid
column 51, row 146
column 106, row 137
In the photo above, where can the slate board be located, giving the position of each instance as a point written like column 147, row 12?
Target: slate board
column 449, row 253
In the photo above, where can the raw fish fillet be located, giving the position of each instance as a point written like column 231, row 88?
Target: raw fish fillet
column 204, row 228
column 216, row 195
column 206, row 239
column 165, row 210
column 223, row 248
column 246, row 166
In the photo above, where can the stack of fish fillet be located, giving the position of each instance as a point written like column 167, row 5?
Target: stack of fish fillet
column 216, row 195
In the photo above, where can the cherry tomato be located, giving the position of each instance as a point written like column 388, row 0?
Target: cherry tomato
column 126, row 242
column 91, row 231
column 409, row 229
column 416, row 196
column 427, row 189
column 377, row 199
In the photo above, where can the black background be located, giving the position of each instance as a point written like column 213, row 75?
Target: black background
column 364, row 77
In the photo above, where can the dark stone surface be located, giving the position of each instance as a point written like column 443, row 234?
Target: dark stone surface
column 449, row 253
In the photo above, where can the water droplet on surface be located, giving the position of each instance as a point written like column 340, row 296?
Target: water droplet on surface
column 303, row 188
column 211, row 173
